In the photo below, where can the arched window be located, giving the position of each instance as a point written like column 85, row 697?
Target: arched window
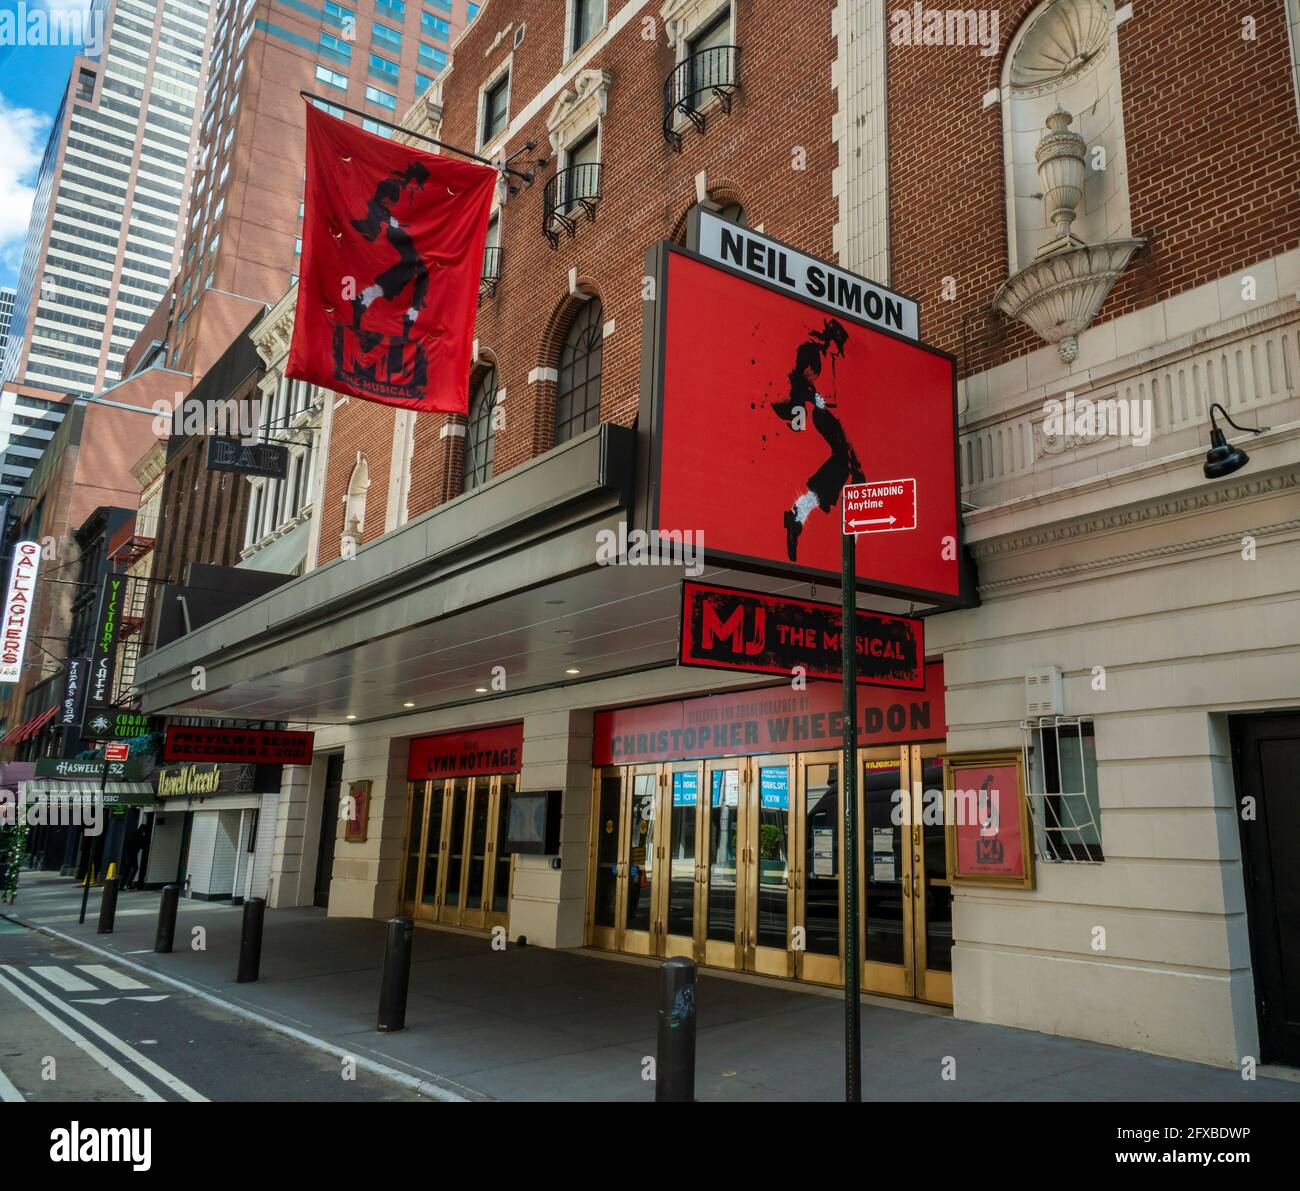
column 577, row 397
column 478, row 432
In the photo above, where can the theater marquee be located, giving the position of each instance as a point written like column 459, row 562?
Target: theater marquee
column 730, row 629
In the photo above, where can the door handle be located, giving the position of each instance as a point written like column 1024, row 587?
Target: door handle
column 907, row 885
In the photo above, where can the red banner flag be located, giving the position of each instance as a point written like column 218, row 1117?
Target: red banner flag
column 392, row 254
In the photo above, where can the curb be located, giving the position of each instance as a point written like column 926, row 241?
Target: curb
column 440, row 1090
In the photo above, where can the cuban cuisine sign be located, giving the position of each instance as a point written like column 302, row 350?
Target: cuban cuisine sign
column 773, row 719
column 117, row 725
column 466, row 754
column 246, row 746
column 730, row 629
column 764, row 402
column 19, row 597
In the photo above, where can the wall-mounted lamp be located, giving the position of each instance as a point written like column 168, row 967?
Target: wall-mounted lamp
column 1222, row 459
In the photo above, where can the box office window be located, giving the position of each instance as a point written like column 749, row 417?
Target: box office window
column 1062, row 775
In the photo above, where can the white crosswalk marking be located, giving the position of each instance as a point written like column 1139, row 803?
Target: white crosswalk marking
column 65, row 980
column 110, row 976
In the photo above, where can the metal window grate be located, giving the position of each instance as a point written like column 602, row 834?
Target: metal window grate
column 1060, row 761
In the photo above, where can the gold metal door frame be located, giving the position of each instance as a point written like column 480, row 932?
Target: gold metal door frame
column 641, row 782
column 410, row 902
column 930, row 984
column 498, row 809
column 605, row 937
column 721, row 953
column 766, row 959
column 678, row 944
column 816, row 967
column 891, row 979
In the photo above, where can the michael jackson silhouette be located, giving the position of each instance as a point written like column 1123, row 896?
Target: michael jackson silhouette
column 409, row 269
column 826, row 483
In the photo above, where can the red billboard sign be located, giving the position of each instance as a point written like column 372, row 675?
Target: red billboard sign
column 773, row 719
column 884, row 506
column 248, row 746
column 729, row 629
column 465, row 754
column 763, row 404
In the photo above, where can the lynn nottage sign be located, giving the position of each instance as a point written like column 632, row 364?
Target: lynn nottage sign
column 18, row 608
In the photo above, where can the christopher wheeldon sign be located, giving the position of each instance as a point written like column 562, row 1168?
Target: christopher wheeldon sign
column 18, row 609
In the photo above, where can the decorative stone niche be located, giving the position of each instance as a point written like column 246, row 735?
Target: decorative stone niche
column 1069, row 233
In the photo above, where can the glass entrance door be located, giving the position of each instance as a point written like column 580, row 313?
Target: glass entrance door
column 819, row 886
column 722, row 919
column 769, row 867
column 907, row 918
column 457, row 869
column 680, row 860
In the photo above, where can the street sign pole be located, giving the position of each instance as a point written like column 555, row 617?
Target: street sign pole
column 849, row 785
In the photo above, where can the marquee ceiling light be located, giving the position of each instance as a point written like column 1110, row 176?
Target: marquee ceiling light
column 408, row 704
column 351, row 717
column 480, row 690
column 1222, row 459
column 573, row 670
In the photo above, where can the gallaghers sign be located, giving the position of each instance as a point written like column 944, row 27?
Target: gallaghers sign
column 18, row 609
column 728, row 629
column 189, row 779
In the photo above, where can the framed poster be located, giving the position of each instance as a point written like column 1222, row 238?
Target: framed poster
column 355, row 826
column 989, row 841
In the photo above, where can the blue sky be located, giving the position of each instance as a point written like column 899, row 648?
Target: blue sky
column 32, row 82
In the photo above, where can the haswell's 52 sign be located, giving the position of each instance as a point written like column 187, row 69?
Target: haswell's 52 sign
column 19, row 597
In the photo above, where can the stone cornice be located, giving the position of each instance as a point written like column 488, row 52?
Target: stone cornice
column 1191, row 501
column 576, row 110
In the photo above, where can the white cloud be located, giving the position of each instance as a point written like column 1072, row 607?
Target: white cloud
column 22, row 142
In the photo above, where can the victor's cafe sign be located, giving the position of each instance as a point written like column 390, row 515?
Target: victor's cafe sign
column 19, row 597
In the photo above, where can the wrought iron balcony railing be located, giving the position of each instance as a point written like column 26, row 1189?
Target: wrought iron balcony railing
column 491, row 272
column 712, row 73
column 569, row 195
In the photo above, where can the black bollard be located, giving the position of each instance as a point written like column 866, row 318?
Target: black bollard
column 108, row 907
column 397, row 974
column 166, row 936
column 675, row 1065
column 250, row 941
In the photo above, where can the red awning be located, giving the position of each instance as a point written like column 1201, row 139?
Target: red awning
column 38, row 723
column 15, row 734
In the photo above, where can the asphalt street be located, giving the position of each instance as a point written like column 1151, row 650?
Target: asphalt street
column 76, row 1028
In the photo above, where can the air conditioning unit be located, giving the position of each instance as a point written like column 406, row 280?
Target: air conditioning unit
column 1045, row 692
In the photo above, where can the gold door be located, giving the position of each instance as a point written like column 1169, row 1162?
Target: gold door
column 931, row 889
column 496, row 896
column 680, row 909
column 818, row 869
column 885, row 865
column 413, row 853
column 639, row 897
column 767, row 857
column 721, row 921
column 604, row 895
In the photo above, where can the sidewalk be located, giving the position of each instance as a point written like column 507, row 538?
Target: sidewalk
column 535, row 1024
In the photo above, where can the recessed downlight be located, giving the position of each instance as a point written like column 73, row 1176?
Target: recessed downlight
column 573, row 670
column 351, row 717
column 480, row 690
column 408, row 704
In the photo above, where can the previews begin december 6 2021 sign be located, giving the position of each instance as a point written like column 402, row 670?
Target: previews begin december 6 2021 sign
column 18, row 608
column 248, row 746
column 763, row 403
column 730, row 629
